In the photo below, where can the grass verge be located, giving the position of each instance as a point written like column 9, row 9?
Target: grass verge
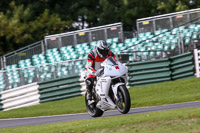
column 149, row 95
column 174, row 121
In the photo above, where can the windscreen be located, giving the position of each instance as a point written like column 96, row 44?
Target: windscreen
column 111, row 61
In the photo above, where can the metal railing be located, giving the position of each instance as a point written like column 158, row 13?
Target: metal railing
column 21, row 54
column 84, row 36
column 138, row 56
column 167, row 21
column 21, row 76
column 180, row 46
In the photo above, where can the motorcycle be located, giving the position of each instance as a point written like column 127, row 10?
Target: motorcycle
column 109, row 91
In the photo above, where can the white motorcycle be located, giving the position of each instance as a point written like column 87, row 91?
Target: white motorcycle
column 109, row 90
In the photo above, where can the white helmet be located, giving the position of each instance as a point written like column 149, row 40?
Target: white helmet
column 103, row 49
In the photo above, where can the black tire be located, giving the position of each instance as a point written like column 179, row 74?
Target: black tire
column 92, row 109
column 124, row 103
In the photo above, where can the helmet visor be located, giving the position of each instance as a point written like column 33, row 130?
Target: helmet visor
column 103, row 52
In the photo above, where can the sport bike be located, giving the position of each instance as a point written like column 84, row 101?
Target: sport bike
column 109, row 89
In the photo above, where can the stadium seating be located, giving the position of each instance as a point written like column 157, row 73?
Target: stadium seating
column 148, row 45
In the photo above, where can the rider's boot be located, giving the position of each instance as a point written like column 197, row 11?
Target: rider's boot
column 89, row 95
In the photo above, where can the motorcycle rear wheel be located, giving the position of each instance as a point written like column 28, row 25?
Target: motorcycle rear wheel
column 124, row 103
column 92, row 109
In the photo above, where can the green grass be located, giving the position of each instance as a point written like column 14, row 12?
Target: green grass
column 174, row 121
column 149, row 95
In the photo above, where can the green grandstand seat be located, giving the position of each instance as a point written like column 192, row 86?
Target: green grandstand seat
column 160, row 47
column 75, row 56
column 48, row 76
column 78, row 46
column 147, row 34
column 187, row 41
column 158, row 53
column 167, row 33
column 188, row 34
column 115, row 40
column 157, row 32
column 129, row 44
column 160, row 36
column 172, row 47
column 155, row 38
column 171, row 37
column 150, row 37
column 196, row 28
column 63, row 48
column 84, row 44
column 120, row 45
column 181, row 28
column 128, row 41
column 164, row 38
column 192, row 26
column 114, row 45
column 175, row 40
column 151, row 54
column 164, row 30
column 110, row 40
column 167, row 42
column 174, row 31
column 143, row 38
column 133, row 40
column 93, row 43
column 166, row 47
column 195, row 35
column 141, row 35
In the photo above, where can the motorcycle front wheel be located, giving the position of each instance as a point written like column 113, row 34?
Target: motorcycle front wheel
column 92, row 109
column 124, row 102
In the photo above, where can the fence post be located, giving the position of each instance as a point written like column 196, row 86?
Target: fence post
column 196, row 60
column 4, row 62
column 105, row 32
column 43, row 47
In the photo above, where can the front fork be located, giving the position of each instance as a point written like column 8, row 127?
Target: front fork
column 114, row 88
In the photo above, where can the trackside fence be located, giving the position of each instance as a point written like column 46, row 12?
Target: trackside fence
column 197, row 61
column 172, row 68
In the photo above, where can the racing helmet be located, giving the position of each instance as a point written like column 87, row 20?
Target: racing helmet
column 103, row 49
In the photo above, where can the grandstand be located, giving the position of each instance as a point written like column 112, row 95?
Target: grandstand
column 62, row 55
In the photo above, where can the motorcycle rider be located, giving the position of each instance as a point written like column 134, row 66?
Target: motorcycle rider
column 96, row 56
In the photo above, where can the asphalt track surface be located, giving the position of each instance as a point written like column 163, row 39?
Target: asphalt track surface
column 6, row 123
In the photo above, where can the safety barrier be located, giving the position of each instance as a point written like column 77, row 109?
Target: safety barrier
column 197, row 61
column 82, row 83
column 1, row 105
column 182, row 66
column 58, row 89
column 172, row 68
column 149, row 72
column 20, row 97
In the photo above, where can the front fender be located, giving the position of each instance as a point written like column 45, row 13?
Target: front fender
column 114, row 88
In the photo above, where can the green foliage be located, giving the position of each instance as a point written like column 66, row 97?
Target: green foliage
column 23, row 22
column 20, row 27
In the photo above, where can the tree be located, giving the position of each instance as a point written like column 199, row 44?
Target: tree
column 18, row 28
